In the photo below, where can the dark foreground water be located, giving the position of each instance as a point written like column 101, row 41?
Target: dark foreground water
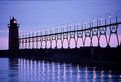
column 23, row 70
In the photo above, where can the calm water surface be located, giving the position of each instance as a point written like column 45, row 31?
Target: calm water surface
column 24, row 70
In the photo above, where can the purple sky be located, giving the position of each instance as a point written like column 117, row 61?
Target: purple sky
column 34, row 15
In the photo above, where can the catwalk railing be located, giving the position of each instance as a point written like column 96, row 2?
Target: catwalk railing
column 106, row 27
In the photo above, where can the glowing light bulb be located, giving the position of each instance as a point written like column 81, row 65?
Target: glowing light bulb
column 109, row 16
column 14, row 21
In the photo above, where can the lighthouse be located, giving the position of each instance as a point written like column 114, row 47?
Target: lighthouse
column 13, row 34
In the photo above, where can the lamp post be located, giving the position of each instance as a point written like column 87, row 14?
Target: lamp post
column 43, row 32
column 64, row 28
column 70, row 28
column 92, row 21
column 99, row 20
column 77, row 26
column 58, row 30
column 118, row 14
column 83, row 24
column 107, row 17
column 110, row 19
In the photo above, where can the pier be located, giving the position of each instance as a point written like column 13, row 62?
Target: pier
column 30, row 45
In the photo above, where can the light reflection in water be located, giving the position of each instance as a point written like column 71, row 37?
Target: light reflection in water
column 53, row 71
column 86, row 73
column 48, row 70
column 59, row 71
column 110, row 75
column 43, row 70
column 31, row 70
column 102, row 75
column 78, row 72
column 64, row 71
column 94, row 74
column 71, row 72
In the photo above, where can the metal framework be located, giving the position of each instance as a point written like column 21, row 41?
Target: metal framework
column 33, row 40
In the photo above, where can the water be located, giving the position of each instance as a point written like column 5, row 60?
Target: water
column 24, row 70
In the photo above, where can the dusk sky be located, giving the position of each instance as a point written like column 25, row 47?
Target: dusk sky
column 33, row 15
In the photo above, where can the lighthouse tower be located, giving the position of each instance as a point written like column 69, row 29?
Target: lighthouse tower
column 13, row 34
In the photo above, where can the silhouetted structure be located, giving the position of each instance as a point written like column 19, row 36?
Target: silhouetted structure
column 13, row 34
column 30, row 45
column 106, row 27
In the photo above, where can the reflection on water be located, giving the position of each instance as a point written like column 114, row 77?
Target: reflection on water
column 24, row 70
